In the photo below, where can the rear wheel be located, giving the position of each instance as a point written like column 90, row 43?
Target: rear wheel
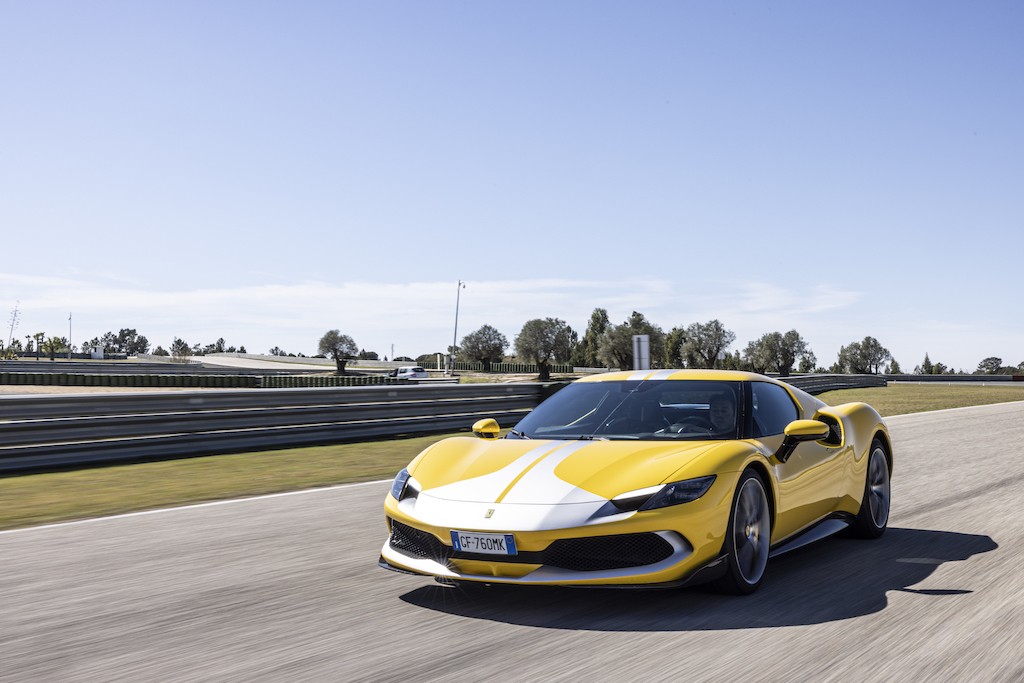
column 873, row 516
column 747, row 537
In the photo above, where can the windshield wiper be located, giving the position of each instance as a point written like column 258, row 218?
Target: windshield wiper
column 518, row 434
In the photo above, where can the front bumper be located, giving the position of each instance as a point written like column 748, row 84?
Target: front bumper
column 691, row 535
column 709, row 572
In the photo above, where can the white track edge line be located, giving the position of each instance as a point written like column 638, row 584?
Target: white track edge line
column 950, row 410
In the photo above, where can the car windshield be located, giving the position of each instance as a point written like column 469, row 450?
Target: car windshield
column 639, row 410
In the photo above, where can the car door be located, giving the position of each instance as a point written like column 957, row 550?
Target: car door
column 809, row 480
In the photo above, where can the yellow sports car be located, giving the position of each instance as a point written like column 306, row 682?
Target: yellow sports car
column 665, row 477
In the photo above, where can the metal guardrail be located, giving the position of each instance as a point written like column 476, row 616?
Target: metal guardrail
column 58, row 431
column 819, row 384
column 120, row 367
column 77, row 429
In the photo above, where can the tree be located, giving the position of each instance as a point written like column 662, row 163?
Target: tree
column 127, row 341
column 543, row 341
column 180, row 350
column 216, row 347
column 486, row 346
column 792, row 347
column 338, row 346
column 586, row 354
column 616, row 347
column 851, row 359
column 705, row 342
column 426, row 358
column 674, row 341
column 54, row 345
column 160, row 351
column 808, row 362
column 130, row 342
column 875, row 355
column 12, row 349
column 761, row 355
column 864, row 357
column 277, row 351
column 367, row 355
column 927, row 367
column 990, row 366
column 779, row 352
column 734, row 361
column 108, row 343
column 894, row 368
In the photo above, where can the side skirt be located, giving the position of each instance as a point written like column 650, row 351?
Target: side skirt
column 822, row 529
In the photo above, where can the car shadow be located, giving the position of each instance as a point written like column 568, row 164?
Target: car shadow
column 835, row 579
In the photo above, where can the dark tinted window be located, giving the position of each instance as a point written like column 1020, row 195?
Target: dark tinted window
column 650, row 410
column 773, row 409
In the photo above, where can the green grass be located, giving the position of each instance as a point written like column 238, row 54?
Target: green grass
column 59, row 496
column 902, row 398
column 56, row 496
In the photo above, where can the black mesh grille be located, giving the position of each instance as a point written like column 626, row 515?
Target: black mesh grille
column 416, row 543
column 577, row 554
column 607, row 552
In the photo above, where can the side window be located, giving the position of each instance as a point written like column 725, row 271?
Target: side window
column 773, row 409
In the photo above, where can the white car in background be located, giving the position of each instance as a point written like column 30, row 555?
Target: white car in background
column 409, row 372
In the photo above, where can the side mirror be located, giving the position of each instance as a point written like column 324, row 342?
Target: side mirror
column 487, row 428
column 798, row 431
column 807, row 430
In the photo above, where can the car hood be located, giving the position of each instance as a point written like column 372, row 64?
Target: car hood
column 514, row 471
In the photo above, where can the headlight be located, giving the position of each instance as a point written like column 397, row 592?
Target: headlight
column 404, row 486
column 659, row 497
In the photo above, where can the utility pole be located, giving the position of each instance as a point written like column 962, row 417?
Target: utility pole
column 15, row 314
column 455, row 335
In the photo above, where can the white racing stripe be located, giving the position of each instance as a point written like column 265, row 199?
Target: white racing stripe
column 488, row 488
column 541, row 485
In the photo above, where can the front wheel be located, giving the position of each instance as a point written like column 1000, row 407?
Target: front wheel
column 747, row 537
column 873, row 516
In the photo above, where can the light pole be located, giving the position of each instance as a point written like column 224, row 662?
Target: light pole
column 455, row 335
column 69, row 336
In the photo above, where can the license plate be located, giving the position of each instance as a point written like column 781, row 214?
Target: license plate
column 487, row 544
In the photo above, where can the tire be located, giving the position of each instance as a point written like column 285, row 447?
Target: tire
column 748, row 537
column 873, row 516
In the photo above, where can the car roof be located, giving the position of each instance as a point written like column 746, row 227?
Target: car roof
column 637, row 375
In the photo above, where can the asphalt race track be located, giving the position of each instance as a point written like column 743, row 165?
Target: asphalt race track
column 287, row 589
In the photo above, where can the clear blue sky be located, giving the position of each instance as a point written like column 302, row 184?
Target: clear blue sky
column 264, row 172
